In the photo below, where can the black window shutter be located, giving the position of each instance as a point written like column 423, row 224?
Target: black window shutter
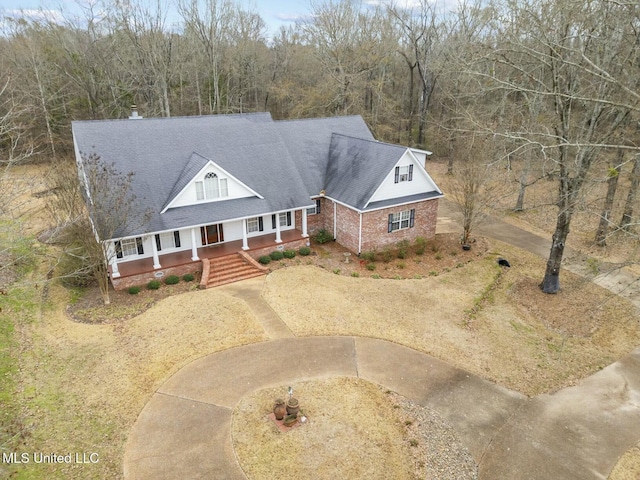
column 139, row 244
column 176, row 237
column 397, row 175
column 260, row 224
column 318, row 206
column 412, row 217
column 288, row 219
column 273, row 222
column 411, row 172
column 158, row 245
column 118, row 249
column 390, row 223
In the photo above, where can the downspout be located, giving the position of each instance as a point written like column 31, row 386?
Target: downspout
column 335, row 221
column 360, row 235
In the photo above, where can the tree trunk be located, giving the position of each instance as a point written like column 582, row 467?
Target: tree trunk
column 626, row 223
column 524, row 175
column 551, row 281
column 612, row 185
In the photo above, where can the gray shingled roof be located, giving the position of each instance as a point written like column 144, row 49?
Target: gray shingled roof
column 160, row 151
column 286, row 162
column 309, row 142
column 357, row 167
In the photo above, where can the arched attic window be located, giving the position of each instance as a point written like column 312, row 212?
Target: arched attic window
column 212, row 187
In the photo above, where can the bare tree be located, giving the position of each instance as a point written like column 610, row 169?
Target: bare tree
column 613, row 174
column 474, row 186
column 111, row 210
column 626, row 222
column 588, row 53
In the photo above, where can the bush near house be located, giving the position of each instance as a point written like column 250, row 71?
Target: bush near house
column 276, row 255
column 323, row 236
column 289, row 253
column 304, row 251
column 153, row 285
column 189, row 277
column 264, row 259
column 133, row 290
column 172, row 280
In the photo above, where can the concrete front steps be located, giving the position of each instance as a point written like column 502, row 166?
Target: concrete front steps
column 229, row 269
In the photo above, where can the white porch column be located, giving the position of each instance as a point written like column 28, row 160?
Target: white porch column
column 278, row 238
column 304, row 223
column 113, row 260
column 245, row 242
column 154, row 249
column 194, row 246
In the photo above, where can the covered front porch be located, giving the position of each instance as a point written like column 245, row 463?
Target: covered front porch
column 184, row 257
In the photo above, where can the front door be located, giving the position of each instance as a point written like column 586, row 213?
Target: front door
column 212, row 234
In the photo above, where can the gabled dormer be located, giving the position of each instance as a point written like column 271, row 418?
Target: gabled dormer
column 204, row 181
column 407, row 177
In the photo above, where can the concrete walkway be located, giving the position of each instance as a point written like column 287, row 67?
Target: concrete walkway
column 577, row 433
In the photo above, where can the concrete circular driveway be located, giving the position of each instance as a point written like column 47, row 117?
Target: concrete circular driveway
column 577, row 433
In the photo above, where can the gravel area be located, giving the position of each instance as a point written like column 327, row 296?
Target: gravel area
column 438, row 452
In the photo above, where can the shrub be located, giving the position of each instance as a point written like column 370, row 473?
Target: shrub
column 438, row 256
column 336, row 271
column 375, row 275
column 371, row 267
column 421, row 245
column 368, row 256
column 276, row 255
column 153, row 285
column 188, row 277
column 433, row 273
column 289, row 253
column 133, row 290
column 264, row 259
column 355, row 274
column 304, row 251
column 323, row 236
column 401, row 265
column 403, row 247
column 387, row 255
column 172, row 280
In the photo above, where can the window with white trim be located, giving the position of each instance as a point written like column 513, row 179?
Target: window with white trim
column 404, row 173
column 314, row 210
column 212, row 187
column 167, row 240
column 254, row 225
column 401, row 220
column 283, row 219
column 129, row 247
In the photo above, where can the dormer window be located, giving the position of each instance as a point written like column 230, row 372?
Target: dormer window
column 212, row 187
column 404, row 173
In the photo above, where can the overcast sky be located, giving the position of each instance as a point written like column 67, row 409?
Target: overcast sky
column 274, row 12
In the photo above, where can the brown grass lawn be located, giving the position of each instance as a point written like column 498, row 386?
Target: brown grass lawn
column 495, row 323
column 82, row 386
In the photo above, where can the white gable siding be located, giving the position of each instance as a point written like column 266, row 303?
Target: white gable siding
column 420, row 183
column 188, row 195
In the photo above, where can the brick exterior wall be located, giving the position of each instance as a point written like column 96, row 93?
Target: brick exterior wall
column 319, row 221
column 347, row 226
column 122, row 283
column 375, row 225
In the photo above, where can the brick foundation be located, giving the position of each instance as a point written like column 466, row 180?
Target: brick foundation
column 294, row 245
column 122, row 283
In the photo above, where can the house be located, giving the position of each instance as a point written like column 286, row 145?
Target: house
column 240, row 186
